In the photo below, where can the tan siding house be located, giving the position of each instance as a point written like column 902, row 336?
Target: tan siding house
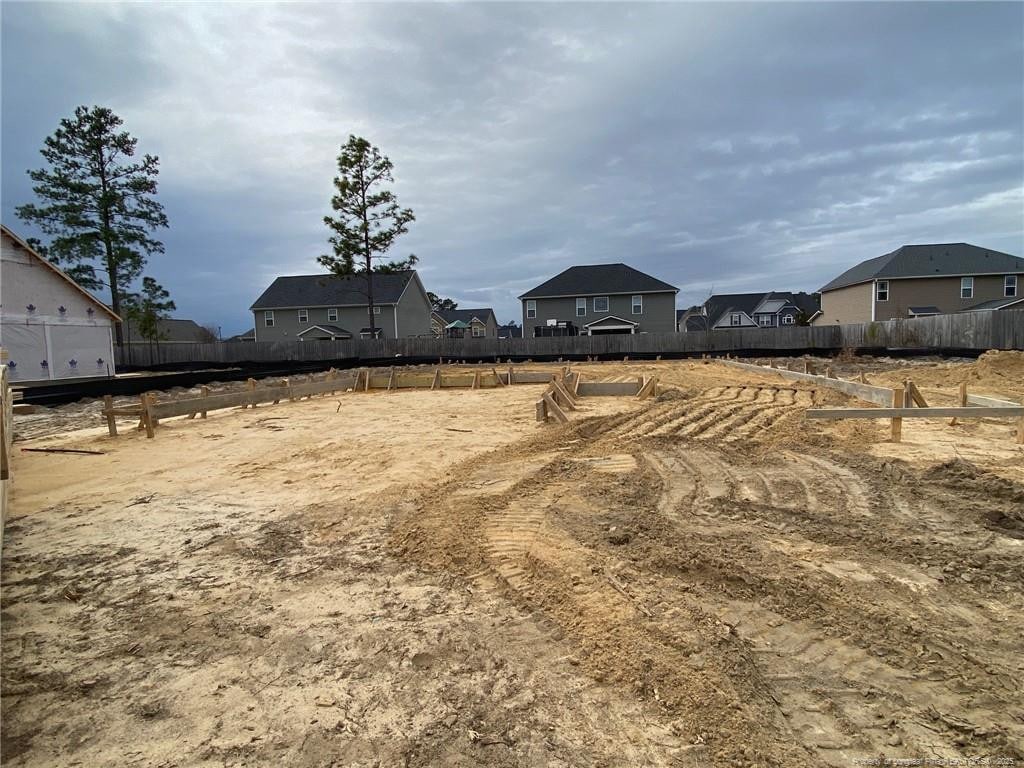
column 919, row 280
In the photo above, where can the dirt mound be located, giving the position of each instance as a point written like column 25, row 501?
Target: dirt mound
column 999, row 363
column 674, row 394
column 1002, row 506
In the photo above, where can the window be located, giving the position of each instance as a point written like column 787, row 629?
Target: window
column 376, row 310
column 638, row 305
column 1010, row 285
column 788, row 320
column 531, row 308
column 600, row 303
column 735, row 319
column 882, row 290
column 966, row 287
column 303, row 315
column 478, row 331
column 765, row 321
column 581, row 307
column 268, row 318
column 332, row 314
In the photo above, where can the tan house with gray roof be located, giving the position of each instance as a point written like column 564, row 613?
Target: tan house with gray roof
column 921, row 280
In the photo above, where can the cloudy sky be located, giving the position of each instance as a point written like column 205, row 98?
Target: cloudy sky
column 724, row 147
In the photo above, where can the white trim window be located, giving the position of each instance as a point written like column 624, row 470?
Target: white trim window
column 882, row 290
column 600, row 303
column 376, row 310
column 332, row 315
column 531, row 308
column 788, row 320
column 581, row 307
column 268, row 318
column 735, row 319
column 1010, row 286
column 303, row 315
column 966, row 287
column 479, row 331
column 765, row 321
column 638, row 304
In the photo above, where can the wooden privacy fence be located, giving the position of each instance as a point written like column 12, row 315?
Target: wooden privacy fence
column 897, row 403
column 968, row 331
column 150, row 411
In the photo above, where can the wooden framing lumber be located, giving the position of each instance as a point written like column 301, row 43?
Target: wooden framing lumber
column 915, row 394
column 878, row 395
column 969, row 412
column 391, row 379
column 108, row 412
column 963, row 401
column 988, row 402
column 497, row 377
column 898, row 399
column 649, row 387
column 542, row 410
column 558, row 391
column 554, row 409
column 599, row 388
column 436, row 383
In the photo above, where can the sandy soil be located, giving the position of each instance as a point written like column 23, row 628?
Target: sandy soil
column 702, row 579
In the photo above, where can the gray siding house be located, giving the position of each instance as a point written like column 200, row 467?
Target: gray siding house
column 599, row 299
column 327, row 307
column 918, row 280
column 774, row 309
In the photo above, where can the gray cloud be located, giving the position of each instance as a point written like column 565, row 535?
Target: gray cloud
column 736, row 146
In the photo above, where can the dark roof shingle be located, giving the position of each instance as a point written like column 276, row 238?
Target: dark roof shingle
column 332, row 291
column 173, row 331
column 938, row 260
column 599, row 279
column 466, row 315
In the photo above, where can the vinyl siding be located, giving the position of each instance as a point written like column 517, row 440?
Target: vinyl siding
column 941, row 292
column 846, row 305
column 659, row 315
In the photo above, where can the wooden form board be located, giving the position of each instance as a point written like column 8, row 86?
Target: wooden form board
column 878, row 395
column 970, row 412
column 990, row 402
column 602, row 388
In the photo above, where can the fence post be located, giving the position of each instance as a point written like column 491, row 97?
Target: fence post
column 108, row 405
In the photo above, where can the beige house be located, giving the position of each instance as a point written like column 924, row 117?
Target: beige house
column 920, row 280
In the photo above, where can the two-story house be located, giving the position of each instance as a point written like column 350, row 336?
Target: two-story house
column 464, row 323
column 918, row 280
column 328, row 307
column 600, row 299
column 775, row 309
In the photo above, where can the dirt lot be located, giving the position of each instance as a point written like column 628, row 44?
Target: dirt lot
column 432, row 578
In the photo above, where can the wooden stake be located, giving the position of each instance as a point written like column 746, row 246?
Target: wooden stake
column 497, row 377
column 108, row 405
column 542, row 410
column 436, row 383
column 147, row 419
column 391, row 379
column 962, row 402
column 511, row 375
column 476, row 380
column 203, row 392
column 897, row 422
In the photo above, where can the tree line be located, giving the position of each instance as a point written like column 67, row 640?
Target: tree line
column 97, row 202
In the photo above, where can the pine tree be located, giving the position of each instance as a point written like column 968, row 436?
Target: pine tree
column 96, row 203
column 367, row 218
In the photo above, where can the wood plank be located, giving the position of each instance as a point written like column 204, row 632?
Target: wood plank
column 989, row 402
column 607, row 388
column 566, row 398
column 554, row 408
column 108, row 413
column 542, row 410
column 871, row 394
column 898, row 399
column 436, row 383
column 970, row 412
column 915, row 394
column 648, row 389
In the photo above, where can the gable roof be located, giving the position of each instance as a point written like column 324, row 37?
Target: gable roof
column 328, row 290
column 937, row 260
column 249, row 335
column 465, row 315
column 170, row 329
column 333, row 330
column 59, row 272
column 720, row 304
column 599, row 280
